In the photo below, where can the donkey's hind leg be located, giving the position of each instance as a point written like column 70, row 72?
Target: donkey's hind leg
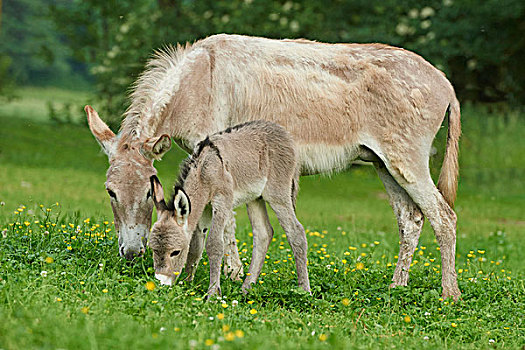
column 232, row 262
column 410, row 222
column 295, row 235
column 425, row 194
column 262, row 236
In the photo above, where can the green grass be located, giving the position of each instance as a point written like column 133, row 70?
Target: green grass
column 90, row 298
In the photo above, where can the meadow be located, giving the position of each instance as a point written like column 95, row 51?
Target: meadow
column 62, row 284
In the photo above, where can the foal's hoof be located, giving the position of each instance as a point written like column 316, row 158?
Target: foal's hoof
column 397, row 284
column 213, row 292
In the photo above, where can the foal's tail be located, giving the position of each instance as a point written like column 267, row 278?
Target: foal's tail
column 448, row 179
column 295, row 186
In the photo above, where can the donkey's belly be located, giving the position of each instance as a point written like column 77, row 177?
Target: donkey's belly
column 321, row 158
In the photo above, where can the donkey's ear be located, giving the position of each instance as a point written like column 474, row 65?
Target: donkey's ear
column 157, row 193
column 155, row 147
column 105, row 137
column 182, row 205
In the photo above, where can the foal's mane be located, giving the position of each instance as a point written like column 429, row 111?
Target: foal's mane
column 152, row 91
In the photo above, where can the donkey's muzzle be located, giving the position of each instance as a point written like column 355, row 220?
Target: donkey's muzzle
column 130, row 253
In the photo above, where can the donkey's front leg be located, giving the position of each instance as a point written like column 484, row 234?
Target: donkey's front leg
column 215, row 250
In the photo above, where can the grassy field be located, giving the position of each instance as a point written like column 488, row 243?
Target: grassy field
column 62, row 284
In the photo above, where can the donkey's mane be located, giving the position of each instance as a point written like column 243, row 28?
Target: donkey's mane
column 152, row 91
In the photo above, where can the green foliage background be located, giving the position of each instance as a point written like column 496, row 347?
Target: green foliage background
column 479, row 44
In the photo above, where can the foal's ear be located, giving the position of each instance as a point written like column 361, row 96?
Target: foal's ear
column 157, row 193
column 154, row 148
column 182, row 205
column 105, row 137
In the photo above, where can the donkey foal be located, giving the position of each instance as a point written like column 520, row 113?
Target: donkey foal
column 250, row 164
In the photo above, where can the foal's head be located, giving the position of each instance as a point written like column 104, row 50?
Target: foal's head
column 169, row 239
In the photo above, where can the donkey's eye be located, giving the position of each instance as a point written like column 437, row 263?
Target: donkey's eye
column 174, row 253
column 112, row 194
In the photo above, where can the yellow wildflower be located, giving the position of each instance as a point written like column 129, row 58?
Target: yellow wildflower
column 150, row 285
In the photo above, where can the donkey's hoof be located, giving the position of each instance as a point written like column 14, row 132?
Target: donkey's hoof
column 234, row 271
column 453, row 293
column 246, row 287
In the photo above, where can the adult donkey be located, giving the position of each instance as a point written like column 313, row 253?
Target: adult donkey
column 340, row 102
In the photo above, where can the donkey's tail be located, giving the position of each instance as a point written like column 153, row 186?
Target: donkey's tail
column 448, row 178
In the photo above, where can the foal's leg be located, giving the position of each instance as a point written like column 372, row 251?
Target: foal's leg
column 215, row 243
column 232, row 262
column 197, row 243
column 296, row 236
column 262, row 236
column 409, row 220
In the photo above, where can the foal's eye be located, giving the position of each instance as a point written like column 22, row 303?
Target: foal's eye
column 174, row 253
column 112, row 194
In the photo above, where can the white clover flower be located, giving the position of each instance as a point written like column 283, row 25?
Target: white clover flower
column 427, row 313
column 43, row 273
column 426, row 337
column 211, row 318
column 491, row 341
column 234, row 303
column 162, row 329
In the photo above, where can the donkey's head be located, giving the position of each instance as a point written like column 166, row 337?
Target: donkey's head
column 128, row 182
column 170, row 239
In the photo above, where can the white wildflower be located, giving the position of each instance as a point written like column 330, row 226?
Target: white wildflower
column 413, row 13
column 43, row 273
column 426, row 24
column 427, row 12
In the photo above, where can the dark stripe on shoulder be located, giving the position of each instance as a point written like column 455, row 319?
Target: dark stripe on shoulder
column 191, row 161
